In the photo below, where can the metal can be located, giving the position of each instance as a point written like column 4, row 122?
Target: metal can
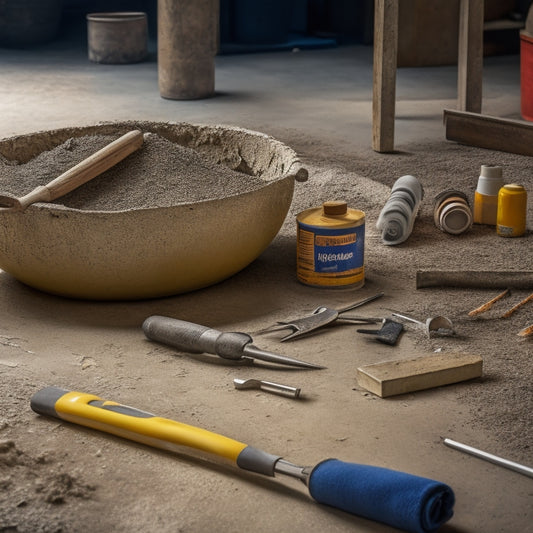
column 512, row 211
column 330, row 246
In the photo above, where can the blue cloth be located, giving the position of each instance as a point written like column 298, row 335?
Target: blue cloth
column 401, row 500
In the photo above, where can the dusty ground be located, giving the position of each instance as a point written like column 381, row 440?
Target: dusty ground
column 59, row 477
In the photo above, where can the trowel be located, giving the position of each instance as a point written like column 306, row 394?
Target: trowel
column 438, row 325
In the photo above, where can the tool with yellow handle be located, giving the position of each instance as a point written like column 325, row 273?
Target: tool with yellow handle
column 404, row 501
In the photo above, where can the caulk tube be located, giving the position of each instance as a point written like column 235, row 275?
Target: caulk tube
column 397, row 217
column 401, row 500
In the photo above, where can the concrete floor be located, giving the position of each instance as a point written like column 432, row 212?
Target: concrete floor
column 324, row 93
column 310, row 100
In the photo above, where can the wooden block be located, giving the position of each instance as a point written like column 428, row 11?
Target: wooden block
column 389, row 378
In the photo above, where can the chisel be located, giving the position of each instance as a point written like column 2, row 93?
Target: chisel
column 194, row 338
column 402, row 500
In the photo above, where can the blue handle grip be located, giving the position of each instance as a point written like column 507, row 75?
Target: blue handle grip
column 401, row 500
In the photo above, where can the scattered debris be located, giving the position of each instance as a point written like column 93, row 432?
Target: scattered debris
column 516, row 307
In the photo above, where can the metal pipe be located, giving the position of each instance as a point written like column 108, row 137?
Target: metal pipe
column 292, row 470
column 526, row 470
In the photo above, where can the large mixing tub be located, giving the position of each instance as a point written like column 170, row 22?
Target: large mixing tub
column 146, row 253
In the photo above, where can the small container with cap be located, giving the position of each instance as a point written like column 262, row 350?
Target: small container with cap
column 486, row 196
column 512, row 211
column 451, row 211
column 330, row 246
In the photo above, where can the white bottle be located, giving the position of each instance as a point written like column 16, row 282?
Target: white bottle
column 486, row 195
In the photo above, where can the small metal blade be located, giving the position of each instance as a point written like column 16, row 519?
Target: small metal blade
column 300, row 326
column 321, row 316
column 268, row 386
column 255, row 353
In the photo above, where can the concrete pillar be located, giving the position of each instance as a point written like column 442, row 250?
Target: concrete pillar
column 187, row 44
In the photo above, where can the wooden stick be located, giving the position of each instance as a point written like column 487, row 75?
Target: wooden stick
column 526, row 332
column 484, row 131
column 481, row 279
column 507, row 314
column 470, row 56
column 489, row 304
column 384, row 74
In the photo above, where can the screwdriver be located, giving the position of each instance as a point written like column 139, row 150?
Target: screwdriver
column 402, row 500
column 194, row 338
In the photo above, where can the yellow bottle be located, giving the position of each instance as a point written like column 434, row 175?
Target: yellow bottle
column 512, row 209
column 486, row 195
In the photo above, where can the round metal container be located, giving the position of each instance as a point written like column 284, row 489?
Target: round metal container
column 451, row 212
column 117, row 38
column 147, row 253
column 330, row 246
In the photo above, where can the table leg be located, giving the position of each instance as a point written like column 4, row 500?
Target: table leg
column 470, row 56
column 384, row 75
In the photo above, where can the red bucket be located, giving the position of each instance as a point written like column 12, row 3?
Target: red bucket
column 526, row 75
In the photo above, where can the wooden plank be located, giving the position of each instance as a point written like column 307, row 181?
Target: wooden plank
column 390, row 378
column 470, row 55
column 484, row 131
column 384, row 74
column 471, row 279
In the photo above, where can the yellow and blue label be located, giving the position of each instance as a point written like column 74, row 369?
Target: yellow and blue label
column 330, row 256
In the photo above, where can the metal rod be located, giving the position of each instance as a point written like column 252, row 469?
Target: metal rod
column 292, row 470
column 360, row 303
column 250, row 350
column 409, row 318
column 526, row 470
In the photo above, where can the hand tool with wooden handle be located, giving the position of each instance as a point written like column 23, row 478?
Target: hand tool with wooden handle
column 404, row 501
column 194, row 338
column 83, row 172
